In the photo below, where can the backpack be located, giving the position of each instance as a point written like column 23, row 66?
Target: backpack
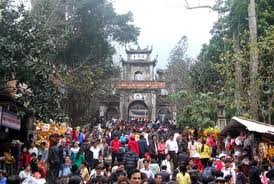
column 207, row 175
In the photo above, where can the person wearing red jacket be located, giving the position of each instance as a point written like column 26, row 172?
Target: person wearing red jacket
column 24, row 159
column 115, row 145
column 133, row 144
column 196, row 161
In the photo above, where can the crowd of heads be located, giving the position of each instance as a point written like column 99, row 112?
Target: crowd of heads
column 137, row 152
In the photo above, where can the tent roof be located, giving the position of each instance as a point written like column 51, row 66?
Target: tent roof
column 237, row 123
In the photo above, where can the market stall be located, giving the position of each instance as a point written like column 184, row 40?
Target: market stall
column 261, row 135
column 45, row 130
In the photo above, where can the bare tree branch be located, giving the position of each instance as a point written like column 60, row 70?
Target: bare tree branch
column 197, row 7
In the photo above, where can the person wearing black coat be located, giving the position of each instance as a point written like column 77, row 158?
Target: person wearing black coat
column 143, row 148
column 253, row 173
column 240, row 177
column 153, row 148
column 130, row 160
column 89, row 157
column 54, row 160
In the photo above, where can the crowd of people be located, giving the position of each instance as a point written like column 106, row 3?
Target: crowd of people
column 136, row 152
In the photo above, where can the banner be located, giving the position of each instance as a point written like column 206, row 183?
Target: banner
column 11, row 120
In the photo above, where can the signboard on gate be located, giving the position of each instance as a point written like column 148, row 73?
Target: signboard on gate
column 10, row 120
column 140, row 85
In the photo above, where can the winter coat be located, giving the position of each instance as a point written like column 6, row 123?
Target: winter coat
column 182, row 146
column 89, row 157
column 133, row 145
column 130, row 159
column 81, row 137
column 151, row 148
column 241, row 178
column 78, row 160
column 143, row 148
column 254, row 176
column 115, row 145
column 161, row 148
column 54, row 155
column 24, row 160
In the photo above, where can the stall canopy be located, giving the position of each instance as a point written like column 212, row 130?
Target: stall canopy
column 237, row 124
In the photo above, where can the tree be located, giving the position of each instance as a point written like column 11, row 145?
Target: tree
column 23, row 44
column 177, row 72
column 66, row 45
column 229, row 64
column 254, row 59
column 198, row 109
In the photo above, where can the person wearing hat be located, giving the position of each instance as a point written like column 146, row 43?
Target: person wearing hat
column 196, row 161
column 220, row 180
column 220, row 163
column 133, row 144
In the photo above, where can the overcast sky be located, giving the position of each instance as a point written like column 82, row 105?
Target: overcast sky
column 164, row 22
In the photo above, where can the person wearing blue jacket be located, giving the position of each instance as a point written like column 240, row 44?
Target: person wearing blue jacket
column 81, row 138
column 143, row 148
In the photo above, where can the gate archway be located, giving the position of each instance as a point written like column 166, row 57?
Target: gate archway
column 112, row 113
column 138, row 110
column 164, row 114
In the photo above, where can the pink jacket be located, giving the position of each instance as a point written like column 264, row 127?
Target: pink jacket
column 161, row 148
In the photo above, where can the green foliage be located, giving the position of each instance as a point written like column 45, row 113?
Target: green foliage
column 212, row 79
column 63, row 51
column 23, row 45
column 198, row 109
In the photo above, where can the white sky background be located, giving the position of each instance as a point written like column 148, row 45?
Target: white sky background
column 164, row 22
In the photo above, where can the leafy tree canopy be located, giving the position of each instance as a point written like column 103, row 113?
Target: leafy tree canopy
column 61, row 49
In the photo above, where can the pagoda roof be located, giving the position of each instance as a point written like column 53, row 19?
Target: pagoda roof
column 139, row 50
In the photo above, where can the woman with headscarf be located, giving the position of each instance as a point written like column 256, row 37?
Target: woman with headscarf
column 133, row 144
